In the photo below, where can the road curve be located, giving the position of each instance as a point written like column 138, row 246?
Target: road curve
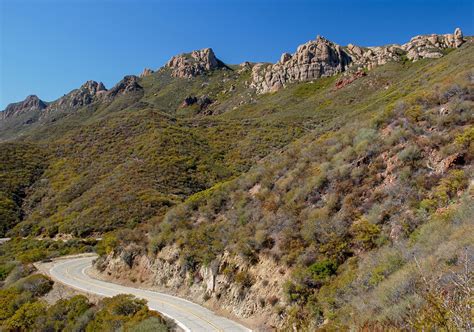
column 189, row 316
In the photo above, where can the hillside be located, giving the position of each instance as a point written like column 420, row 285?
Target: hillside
column 317, row 192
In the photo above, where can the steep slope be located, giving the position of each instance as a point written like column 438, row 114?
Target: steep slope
column 22, row 164
column 336, row 216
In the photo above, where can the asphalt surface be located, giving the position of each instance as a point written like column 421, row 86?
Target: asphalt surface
column 189, row 316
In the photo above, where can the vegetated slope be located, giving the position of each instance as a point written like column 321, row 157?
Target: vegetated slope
column 368, row 216
column 120, row 162
column 21, row 166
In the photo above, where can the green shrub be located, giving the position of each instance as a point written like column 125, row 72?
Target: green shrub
column 244, row 278
column 365, row 233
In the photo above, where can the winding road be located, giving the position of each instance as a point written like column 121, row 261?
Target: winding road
column 189, row 316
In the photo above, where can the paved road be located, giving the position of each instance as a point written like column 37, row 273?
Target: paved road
column 189, row 316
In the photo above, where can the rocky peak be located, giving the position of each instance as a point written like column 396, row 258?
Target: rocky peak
column 193, row 64
column 89, row 92
column 128, row 84
column 317, row 58
column 92, row 87
column 31, row 103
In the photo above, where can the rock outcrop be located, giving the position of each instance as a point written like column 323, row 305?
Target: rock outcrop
column 432, row 46
column 321, row 57
column 315, row 59
column 88, row 93
column 193, row 64
column 146, row 72
column 126, row 85
column 85, row 95
column 31, row 103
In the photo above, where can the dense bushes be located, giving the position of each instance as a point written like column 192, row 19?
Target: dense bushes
column 21, row 165
column 22, row 309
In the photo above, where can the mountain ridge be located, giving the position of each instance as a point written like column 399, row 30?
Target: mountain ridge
column 331, row 59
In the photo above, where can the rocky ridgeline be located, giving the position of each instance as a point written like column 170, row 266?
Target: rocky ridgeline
column 322, row 58
column 88, row 93
column 315, row 59
column 193, row 64
column 30, row 104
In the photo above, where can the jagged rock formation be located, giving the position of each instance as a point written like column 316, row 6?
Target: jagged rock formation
column 31, row 103
column 320, row 57
column 126, row 85
column 195, row 63
column 146, row 72
column 312, row 60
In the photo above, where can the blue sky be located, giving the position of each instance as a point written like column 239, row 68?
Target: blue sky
column 50, row 47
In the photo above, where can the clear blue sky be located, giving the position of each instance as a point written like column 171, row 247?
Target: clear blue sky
column 51, row 47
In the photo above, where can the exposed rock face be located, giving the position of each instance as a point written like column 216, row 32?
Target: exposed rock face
column 85, row 95
column 146, row 72
column 126, row 85
column 320, row 57
column 374, row 56
column 431, row 46
column 315, row 59
column 194, row 63
column 213, row 286
column 88, row 93
column 31, row 103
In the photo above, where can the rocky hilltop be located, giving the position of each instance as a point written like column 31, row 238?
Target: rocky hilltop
column 31, row 103
column 312, row 60
column 89, row 92
column 321, row 58
column 195, row 63
column 128, row 84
